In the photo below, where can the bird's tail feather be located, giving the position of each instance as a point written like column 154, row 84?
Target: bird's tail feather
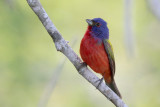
column 113, row 86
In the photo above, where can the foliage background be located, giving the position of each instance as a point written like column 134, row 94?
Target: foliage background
column 28, row 57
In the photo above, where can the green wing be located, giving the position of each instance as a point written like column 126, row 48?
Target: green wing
column 109, row 51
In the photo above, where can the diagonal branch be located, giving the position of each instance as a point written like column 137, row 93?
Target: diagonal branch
column 62, row 46
column 52, row 84
column 154, row 6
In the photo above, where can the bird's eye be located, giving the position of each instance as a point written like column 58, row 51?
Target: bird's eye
column 98, row 24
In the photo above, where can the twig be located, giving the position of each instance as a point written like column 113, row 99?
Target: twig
column 129, row 37
column 52, row 83
column 154, row 6
column 62, row 46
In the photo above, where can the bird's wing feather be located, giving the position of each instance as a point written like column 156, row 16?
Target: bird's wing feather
column 109, row 51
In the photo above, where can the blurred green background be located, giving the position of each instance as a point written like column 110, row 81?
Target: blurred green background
column 28, row 57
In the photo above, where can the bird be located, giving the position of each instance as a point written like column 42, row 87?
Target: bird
column 96, row 51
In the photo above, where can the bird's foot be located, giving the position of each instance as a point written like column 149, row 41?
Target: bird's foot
column 82, row 64
column 100, row 81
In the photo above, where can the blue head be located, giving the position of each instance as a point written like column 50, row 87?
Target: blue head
column 98, row 28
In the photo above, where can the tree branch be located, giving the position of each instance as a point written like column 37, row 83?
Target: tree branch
column 52, row 84
column 62, row 46
column 129, row 36
column 154, row 6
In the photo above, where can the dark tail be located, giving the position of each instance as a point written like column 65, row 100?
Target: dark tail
column 113, row 86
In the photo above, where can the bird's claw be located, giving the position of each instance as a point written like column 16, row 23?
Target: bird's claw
column 100, row 81
column 82, row 64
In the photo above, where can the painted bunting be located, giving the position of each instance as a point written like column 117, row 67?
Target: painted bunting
column 96, row 51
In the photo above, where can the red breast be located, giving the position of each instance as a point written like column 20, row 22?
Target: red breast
column 93, row 53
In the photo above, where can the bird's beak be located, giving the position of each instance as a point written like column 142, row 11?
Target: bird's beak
column 90, row 22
